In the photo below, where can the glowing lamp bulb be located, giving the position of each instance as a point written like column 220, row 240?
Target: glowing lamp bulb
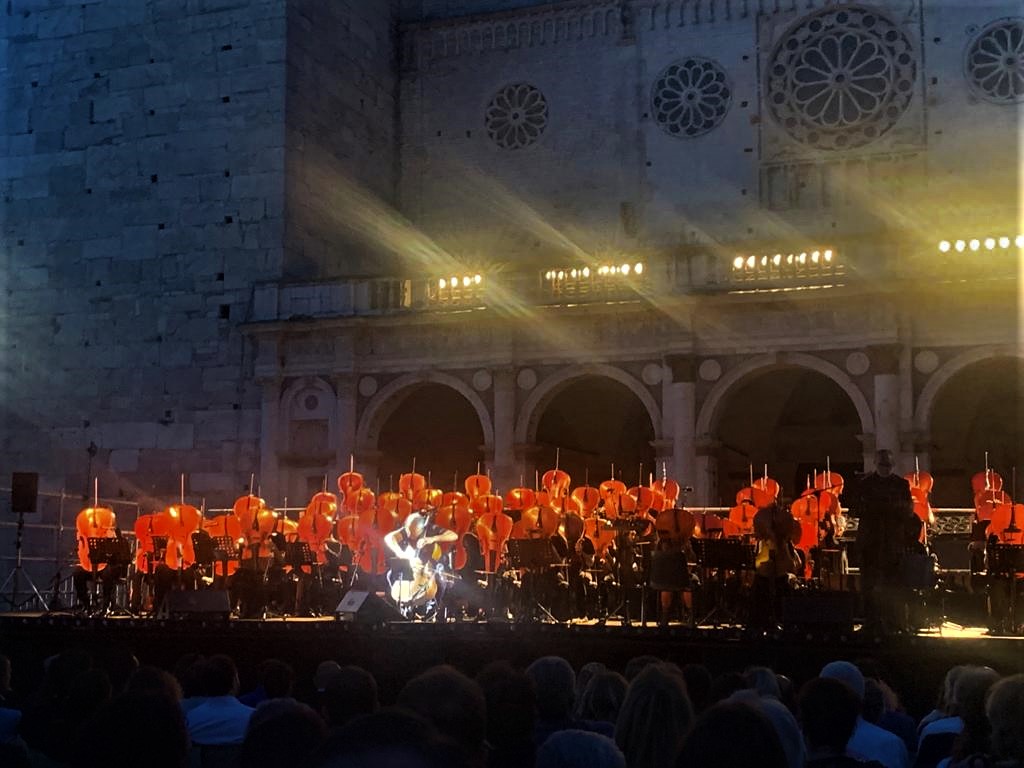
column 477, row 279
column 638, row 268
column 751, row 261
column 466, row 281
column 573, row 274
column 625, row 269
column 803, row 257
column 944, row 246
column 561, row 274
column 777, row 259
column 586, row 271
column 990, row 243
column 814, row 257
column 1019, row 242
column 789, row 259
column 454, row 282
column 737, row 263
column 442, row 283
column 1004, row 242
column 975, row 244
column 828, row 255
column 764, row 261
column 960, row 246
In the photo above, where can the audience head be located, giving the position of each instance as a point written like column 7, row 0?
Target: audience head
column 218, row 676
column 713, row 741
column 655, row 717
column 186, row 670
column 135, row 729
column 762, row 680
column 637, row 664
column 324, row 672
column 554, row 683
column 452, row 702
column 277, row 678
column 698, row 685
column 874, row 701
column 60, row 671
column 1005, row 710
column 603, row 697
column 828, row 714
column 969, row 693
column 725, row 685
column 281, row 732
column 946, row 694
column 579, row 749
column 154, row 680
column 88, row 692
column 390, row 738
column 5, row 674
column 845, row 672
column 350, row 692
column 583, row 677
column 511, row 705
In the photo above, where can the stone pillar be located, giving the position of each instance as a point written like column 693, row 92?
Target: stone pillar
column 345, row 419
column 886, row 399
column 271, row 437
column 705, row 486
column 504, row 472
column 679, row 402
column 526, row 463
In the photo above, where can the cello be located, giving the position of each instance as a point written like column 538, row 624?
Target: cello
column 453, row 513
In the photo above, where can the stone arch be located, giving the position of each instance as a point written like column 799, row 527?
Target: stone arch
column 926, row 401
column 533, row 408
column 384, row 403
column 764, row 363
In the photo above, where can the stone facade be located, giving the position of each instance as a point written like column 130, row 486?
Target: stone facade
column 239, row 232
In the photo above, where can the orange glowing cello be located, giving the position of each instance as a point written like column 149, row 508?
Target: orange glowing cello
column 453, row 513
column 226, row 526
column 94, row 522
column 316, row 524
column 181, row 520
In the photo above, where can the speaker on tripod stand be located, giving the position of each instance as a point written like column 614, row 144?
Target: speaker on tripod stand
column 24, row 496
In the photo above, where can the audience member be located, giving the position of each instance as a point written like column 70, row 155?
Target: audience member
column 348, row 693
column 603, row 697
column 583, row 677
column 276, row 680
column 187, row 671
column 762, row 680
column 134, row 729
column 554, row 683
column 1005, row 711
column 389, row 738
column 969, row 696
column 782, row 721
column 655, row 717
column 725, row 685
column 573, row 748
column 221, row 718
column 154, row 680
column 637, row 664
column 869, row 742
column 942, row 705
column 698, row 686
column 511, row 715
column 828, row 716
column 732, row 734
column 940, row 738
column 281, row 732
column 454, row 704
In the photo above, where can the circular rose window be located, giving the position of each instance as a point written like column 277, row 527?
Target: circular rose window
column 516, row 116
column 995, row 62
column 840, row 78
column 690, row 97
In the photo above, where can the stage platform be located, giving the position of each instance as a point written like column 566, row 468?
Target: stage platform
column 397, row 650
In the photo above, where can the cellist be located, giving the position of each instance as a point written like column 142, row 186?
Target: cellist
column 414, row 542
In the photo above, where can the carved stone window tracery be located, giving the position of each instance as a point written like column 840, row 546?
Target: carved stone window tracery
column 840, row 78
column 994, row 62
column 516, row 116
column 691, row 97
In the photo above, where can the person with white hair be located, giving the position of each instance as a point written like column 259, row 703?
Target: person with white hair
column 869, row 742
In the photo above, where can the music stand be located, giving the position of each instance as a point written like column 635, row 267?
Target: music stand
column 202, row 545
column 723, row 555
column 298, row 554
column 114, row 552
column 532, row 555
column 1007, row 561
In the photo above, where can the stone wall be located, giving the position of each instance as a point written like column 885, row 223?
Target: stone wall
column 342, row 128
column 142, row 178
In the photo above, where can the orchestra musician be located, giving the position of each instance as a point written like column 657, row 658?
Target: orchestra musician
column 416, row 543
column 887, row 526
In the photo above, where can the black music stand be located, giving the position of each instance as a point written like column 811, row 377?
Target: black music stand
column 534, row 556
column 722, row 556
column 298, row 554
column 115, row 553
column 1006, row 561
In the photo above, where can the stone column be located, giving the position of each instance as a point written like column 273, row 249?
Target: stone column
column 705, row 486
column 503, row 465
column 271, row 437
column 526, row 463
column 345, row 419
column 886, row 399
column 679, row 402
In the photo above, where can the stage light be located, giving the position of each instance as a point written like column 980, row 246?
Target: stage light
column 625, row 269
column 828, row 255
column 442, row 283
column 803, row 258
column 1019, row 241
column 751, row 262
column 1004, row 242
column 990, row 243
column 477, row 279
column 789, row 259
column 777, row 259
column 944, row 246
column 573, row 274
column 638, row 268
column 454, row 282
column 764, row 261
column 586, row 271
column 960, row 246
column 466, row 281
column 975, row 244
column 737, row 263
column 814, row 257
column 561, row 275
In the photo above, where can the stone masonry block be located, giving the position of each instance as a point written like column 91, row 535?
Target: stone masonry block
column 179, row 437
column 131, row 434
column 124, row 460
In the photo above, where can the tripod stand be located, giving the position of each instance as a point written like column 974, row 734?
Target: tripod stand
column 12, row 577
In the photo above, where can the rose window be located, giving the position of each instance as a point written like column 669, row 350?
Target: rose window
column 690, row 97
column 840, row 78
column 995, row 62
column 516, row 116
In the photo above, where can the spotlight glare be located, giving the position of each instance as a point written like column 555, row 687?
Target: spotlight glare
column 477, row 279
column 586, row 271
column 789, row 259
column 561, row 275
column 944, row 246
column 814, row 257
column 442, row 283
column 828, row 255
column 975, row 244
column 638, row 268
column 573, row 274
column 764, row 261
column 777, row 259
column 751, row 261
column 960, row 246
column 1020, row 241
column 466, row 281
column 737, row 263
column 990, row 243
column 1004, row 242
column 625, row 269
column 454, row 282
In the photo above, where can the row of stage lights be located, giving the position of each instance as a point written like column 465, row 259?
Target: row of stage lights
column 623, row 270
column 791, row 259
column 976, row 244
column 465, row 281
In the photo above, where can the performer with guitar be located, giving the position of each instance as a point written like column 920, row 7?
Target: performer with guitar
column 416, row 542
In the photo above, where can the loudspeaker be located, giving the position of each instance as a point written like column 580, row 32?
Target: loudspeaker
column 24, row 492
column 360, row 606
column 198, row 604
column 819, row 609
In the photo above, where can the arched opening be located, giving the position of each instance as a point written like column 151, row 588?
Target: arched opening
column 438, row 427
column 595, row 422
column 793, row 420
column 981, row 408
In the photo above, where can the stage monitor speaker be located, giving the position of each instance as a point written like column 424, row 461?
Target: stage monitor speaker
column 24, row 492
column 819, row 610
column 198, row 604
column 361, row 607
